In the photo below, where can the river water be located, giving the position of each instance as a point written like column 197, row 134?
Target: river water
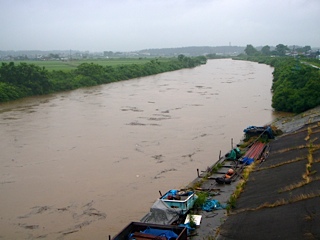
column 85, row 163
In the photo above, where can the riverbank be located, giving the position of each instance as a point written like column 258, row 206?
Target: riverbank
column 280, row 194
column 26, row 80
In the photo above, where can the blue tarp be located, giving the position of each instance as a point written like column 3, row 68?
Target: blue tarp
column 210, row 205
column 160, row 232
column 247, row 160
column 188, row 227
column 267, row 130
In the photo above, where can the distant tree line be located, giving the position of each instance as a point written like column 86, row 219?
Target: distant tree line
column 296, row 85
column 215, row 56
column 19, row 81
column 280, row 50
column 194, row 51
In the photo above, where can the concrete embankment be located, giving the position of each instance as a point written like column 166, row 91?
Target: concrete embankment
column 265, row 181
column 280, row 197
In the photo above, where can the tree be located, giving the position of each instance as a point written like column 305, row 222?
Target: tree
column 32, row 78
column 54, row 56
column 266, row 50
column 93, row 71
column 181, row 57
column 250, row 50
column 281, row 49
column 296, row 87
column 304, row 49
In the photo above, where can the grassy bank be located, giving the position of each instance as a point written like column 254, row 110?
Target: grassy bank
column 57, row 65
column 28, row 79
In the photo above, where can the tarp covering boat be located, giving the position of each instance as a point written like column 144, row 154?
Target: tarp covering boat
column 161, row 213
column 167, row 234
column 138, row 230
column 255, row 131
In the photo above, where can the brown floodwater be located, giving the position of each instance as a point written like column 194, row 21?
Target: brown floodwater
column 85, row 163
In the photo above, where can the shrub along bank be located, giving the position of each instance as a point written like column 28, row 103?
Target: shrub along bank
column 296, row 85
column 23, row 80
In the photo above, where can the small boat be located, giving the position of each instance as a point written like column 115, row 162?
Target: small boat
column 137, row 230
column 256, row 131
column 179, row 199
column 170, row 207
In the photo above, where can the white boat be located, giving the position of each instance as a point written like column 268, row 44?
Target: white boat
column 170, row 207
column 179, row 199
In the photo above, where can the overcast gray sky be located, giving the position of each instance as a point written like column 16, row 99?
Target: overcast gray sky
column 129, row 25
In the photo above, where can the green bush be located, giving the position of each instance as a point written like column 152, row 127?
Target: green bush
column 295, row 87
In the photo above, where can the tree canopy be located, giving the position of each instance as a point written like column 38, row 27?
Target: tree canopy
column 22, row 80
column 281, row 49
column 266, row 50
column 295, row 87
column 250, row 50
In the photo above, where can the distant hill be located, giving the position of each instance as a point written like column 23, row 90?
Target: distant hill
column 193, row 51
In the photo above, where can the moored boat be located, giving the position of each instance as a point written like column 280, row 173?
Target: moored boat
column 170, row 207
column 137, row 230
column 183, row 200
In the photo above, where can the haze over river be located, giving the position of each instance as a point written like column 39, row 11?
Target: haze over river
column 83, row 164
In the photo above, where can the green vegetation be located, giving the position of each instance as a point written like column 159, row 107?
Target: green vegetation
column 202, row 197
column 280, row 50
column 22, row 80
column 57, row 65
column 296, row 85
column 312, row 61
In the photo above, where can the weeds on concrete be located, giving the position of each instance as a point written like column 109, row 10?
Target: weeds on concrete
column 283, row 163
column 245, row 176
column 202, row 197
column 281, row 202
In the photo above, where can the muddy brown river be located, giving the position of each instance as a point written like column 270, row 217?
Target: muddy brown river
column 85, row 163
